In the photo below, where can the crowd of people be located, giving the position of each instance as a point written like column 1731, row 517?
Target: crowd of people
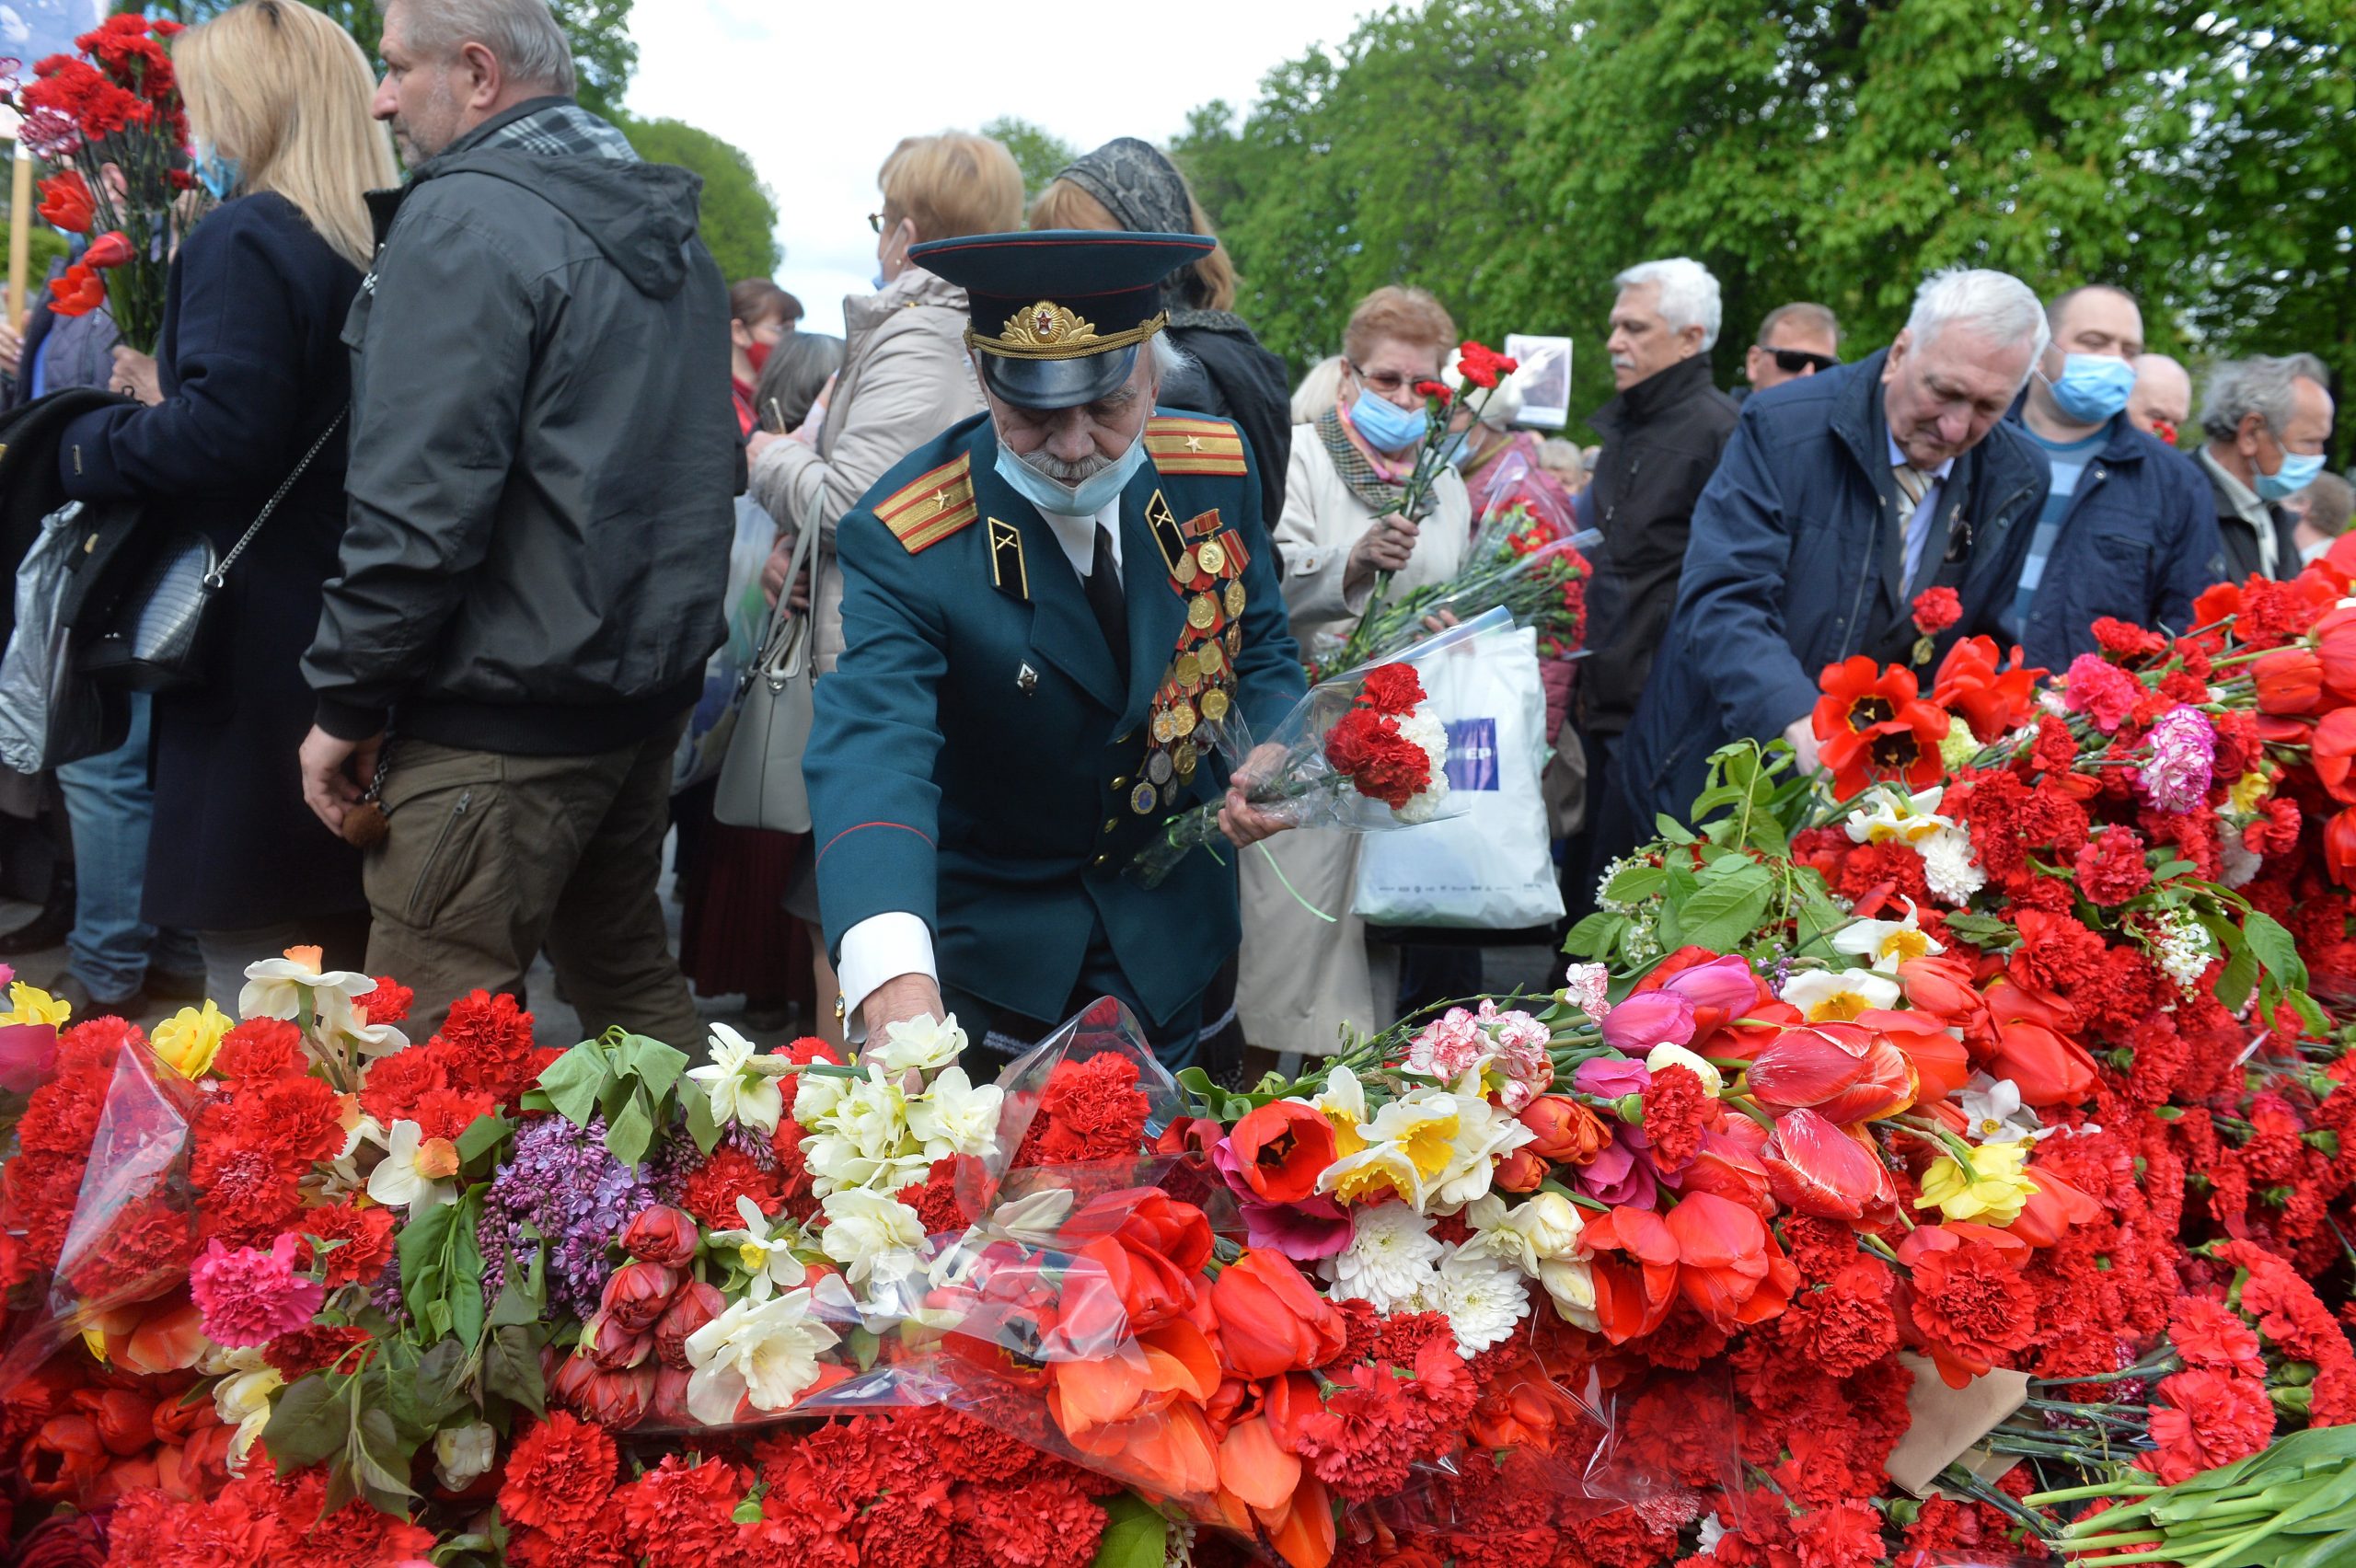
column 444, row 732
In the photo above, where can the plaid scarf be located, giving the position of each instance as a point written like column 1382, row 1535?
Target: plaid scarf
column 1381, row 495
column 562, row 130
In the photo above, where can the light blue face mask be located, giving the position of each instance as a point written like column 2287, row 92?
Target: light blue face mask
column 215, row 173
column 2092, row 387
column 1386, row 426
column 2297, row 472
column 1084, row 500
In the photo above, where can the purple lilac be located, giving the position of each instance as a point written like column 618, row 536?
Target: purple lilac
column 563, row 1181
column 2184, row 756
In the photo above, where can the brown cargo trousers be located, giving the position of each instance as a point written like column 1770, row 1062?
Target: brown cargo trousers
column 492, row 856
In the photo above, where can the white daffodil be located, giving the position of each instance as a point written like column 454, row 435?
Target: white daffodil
column 243, row 1402
column 1838, row 996
column 1668, row 1056
column 874, row 1235
column 815, row 1096
column 338, row 1014
column 1886, row 945
column 956, row 1116
column 273, row 987
column 1408, row 1147
column 873, row 1114
column 1485, row 1134
column 416, row 1171
column 734, row 1082
column 1888, row 816
column 1342, row 1103
column 461, row 1454
column 1529, row 1235
column 764, row 1351
column 924, row 1044
column 766, row 1254
column 1993, row 1112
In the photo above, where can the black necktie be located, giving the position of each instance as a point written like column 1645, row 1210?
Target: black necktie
column 1105, row 598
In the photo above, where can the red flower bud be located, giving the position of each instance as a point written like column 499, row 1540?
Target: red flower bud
column 1568, row 1133
column 63, row 1458
column 671, row 1398
column 614, row 1347
column 695, row 1305
column 568, row 1374
column 126, row 1420
column 636, row 1295
column 111, row 248
column 616, row 1399
column 662, row 1235
column 1520, row 1172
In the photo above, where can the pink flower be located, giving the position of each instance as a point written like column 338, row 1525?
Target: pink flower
column 1725, row 984
column 1522, row 1056
column 249, row 1297
column 2099, row 688
column 1611, row 1078
column 1588, row 986
column 1449, row 1046
column 1649, row 1018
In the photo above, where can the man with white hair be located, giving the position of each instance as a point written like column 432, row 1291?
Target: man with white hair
column 2161, row 403
column 2266, row 420
column 543, row 457
column 1661, row 439
column 1842, row 499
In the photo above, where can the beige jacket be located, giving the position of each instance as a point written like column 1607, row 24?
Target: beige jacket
column 904, row 379
column 1302, row 982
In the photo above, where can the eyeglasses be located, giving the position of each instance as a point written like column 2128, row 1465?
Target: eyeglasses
column 1792, row 362
column 1385, row 381
column 875, row 221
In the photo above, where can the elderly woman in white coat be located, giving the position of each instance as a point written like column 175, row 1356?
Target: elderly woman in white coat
column 1302, row 981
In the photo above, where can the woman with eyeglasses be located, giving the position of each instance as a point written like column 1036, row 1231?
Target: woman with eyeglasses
column 1300, row 979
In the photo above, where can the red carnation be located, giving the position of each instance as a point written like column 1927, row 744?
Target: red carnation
column 2210, row 1419
column 1438, row 389
column 1969, row 1300
column 711, row 1192
column 1483, row 366
column 1391, row 690
column 366, row 1235
column 1677, row 1108
column 1088, row 1113
column 2111, row 868
column 1935, row 609
column 559, row 1475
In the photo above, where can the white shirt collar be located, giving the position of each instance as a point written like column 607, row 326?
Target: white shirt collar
column 1077, row 535
column 1897, row 456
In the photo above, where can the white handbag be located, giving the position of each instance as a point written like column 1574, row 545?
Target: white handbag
column 761, row 781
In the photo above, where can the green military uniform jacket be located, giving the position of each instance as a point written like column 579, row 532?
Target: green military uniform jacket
column 976, row 762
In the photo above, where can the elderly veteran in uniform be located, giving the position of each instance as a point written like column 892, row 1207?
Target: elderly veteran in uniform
column 1042, row 606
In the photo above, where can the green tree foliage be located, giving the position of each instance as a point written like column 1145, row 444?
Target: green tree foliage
column 1040, row 153
column 603, row 53
column 739, row 214
column 1514, row 156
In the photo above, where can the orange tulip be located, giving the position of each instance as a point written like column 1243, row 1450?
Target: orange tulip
column 1940, row 1064
column 1282, row 1148
column 2009, row 1001
column 1635, row 1270
column 1844, row 1071
column 2290, row 680
column 170, row 1340
column 1568, row 1133
column 1147, row 1287
column 1728, row 1265
column 1257, row 1467
column 1992, row 700
column 1303, row 1537
column 1819, row 1168
column 2049, row 1068
column 1519, row 1172
column 1270, row 1320
column 2335, row 752
column 1941, row 985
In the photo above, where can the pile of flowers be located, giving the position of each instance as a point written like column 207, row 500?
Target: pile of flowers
column 1988, row 1095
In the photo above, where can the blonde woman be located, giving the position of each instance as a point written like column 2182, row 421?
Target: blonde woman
column 250, row 373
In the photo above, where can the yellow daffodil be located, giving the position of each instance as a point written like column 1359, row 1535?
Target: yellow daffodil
column 190, row 1038
column 30, row 1004
column 1991, row 1191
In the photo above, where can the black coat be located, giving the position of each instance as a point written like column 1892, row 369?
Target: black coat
column 1243, row 382
column 253, row 368
column 1661, row 441
column 1796, row 563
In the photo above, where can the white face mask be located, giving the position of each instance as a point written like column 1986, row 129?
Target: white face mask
column 1084, row 500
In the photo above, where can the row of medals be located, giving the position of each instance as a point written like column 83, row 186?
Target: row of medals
column 1200, row 686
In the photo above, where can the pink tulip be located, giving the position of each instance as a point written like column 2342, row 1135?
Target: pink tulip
column 1725, row 985
column 1650, row 1019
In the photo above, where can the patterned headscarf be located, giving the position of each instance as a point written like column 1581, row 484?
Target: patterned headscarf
column 1132, row 182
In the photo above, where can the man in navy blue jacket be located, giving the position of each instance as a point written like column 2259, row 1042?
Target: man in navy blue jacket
column 2127, row 528
column 1840, row 499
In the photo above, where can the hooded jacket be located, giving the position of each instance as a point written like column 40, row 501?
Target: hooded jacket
column 544, row 457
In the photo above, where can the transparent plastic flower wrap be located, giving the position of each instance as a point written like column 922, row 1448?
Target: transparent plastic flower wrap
column 1364, row 750
column 129, row 1233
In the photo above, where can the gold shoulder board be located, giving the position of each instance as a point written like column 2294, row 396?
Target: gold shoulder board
column 929, row 509
column 1180, row 445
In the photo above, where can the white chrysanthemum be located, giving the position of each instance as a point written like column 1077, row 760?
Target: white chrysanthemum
column 1390, row 1260
column 956, row 1116
column 1425, row 729
column 2182, row 947
column 1948, row 866
column 1482, row 1296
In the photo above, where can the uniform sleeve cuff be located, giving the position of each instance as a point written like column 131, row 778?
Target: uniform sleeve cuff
column 879, row 949
column 347, row 722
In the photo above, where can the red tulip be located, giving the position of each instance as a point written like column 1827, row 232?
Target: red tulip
column 1940, row 1064
column 613, row 1347
column 636, row 1295
column 1843, row 1071
column 1732, row 1165
column 2052, row 1210
column 2335, row 637
column 1256, row 1467
column 1568, row 1133
column 1270, row 1320
column 1992, row 700
column 125, row 1421
column 1112, row 1287
column 1819, row 1168
column 1728, row 1265
column 1872, row 723
column 616, row 1399
column 2339, row 847
column 62, row 1459
column 2049, row 1068
column 1282, row 1148
column 111, row 248
column 2290, row 680
column 77, row 292
column 2335, row 752
column 1941, row 985
column 662, row 1235
column 670, row 1405
column 1635, row 1270
column 66, row 203
column 1149, row 1220
column 170, row 1340
column 567, row 1373
column 695, row 1305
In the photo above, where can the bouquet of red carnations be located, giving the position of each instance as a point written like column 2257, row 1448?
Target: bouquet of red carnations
column 110, row 125
column 1363, row 751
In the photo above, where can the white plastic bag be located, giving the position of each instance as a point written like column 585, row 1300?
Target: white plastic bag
column 747, row 609
column 49, row 712
column 1487, row 868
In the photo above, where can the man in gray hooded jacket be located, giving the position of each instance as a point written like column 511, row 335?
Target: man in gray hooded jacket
column 543, row 457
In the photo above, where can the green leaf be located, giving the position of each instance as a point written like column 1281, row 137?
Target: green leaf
column 2275, row 949
column 656, row 1065
column 1592, row 938
column 1634, row 885
column 631, row 1132
column 2236, row 979
column 483, row 1134
column 697, row 1102
column 1727, row 907
column 1135, row 1535
column 423, row 1250
column 514, row 1309
column 440, row 1380
column 309, row 1421
column 573, row 1082
column 380, row 1460
column 466, row 1280
column 511, row 1367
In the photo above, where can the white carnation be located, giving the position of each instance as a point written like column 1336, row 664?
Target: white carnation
column 1482, row 1296
column 1390, row 1259
column 1425, row 729
column 1948, row 867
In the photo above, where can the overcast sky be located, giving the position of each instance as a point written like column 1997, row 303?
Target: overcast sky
column 818, row 94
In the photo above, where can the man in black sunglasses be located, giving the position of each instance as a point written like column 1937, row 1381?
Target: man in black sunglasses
column 1795, row 340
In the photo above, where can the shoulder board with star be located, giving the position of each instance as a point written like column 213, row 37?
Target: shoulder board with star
column 931, row 507
column 1180, row 444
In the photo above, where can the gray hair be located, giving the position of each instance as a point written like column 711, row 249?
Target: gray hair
column 1689, row 295
column 2260, row 385
column 1169, row 360
column 1805, row 315
column 521, row 35
column 1996, row 304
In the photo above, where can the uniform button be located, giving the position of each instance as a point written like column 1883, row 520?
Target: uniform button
column 1112, row 823
column 1100, row 862
column 1120, row 785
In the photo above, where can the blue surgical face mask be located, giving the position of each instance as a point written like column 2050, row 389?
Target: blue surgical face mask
column 2297, row 472
column 1386, row 426
column 1084, row 500
column 215, row 173
column 2092, row 387
column 879, row 281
